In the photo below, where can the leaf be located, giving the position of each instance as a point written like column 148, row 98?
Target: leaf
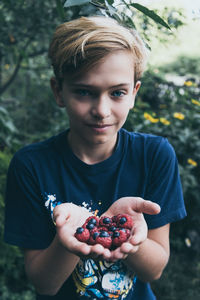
column 151, row 14
column 69, row 3
column 110, row 2
column 112, row 10
column 60, row 9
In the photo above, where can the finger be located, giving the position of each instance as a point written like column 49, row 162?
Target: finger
column 80, row 249
column 116, row 255
column 97, row 249
column 60, row 215
column 145, row 206
column 60, row 219
column 106, row 254
column 138, row 236
column 126, row 247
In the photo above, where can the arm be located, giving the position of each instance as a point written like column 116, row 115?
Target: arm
column 147, row 252
column 48, row 269
column 151, row 257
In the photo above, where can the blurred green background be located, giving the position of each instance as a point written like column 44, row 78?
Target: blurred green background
column 168, row 104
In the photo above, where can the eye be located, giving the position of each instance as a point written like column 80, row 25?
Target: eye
column 118, row 93
column 82, row 92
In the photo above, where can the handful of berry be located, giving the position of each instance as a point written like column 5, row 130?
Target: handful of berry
column 109, row 232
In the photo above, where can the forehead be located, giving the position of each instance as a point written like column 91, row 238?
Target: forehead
column 114, row 69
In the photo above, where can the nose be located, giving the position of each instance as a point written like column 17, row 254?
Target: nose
column 101, row 107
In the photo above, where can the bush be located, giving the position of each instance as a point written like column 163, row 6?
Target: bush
column 173, row 111
column 13, row 282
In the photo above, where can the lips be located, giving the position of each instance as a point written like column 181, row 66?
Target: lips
column 99, row 125
column 99, row 128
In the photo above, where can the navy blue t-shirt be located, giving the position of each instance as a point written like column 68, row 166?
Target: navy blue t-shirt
column 46, row 174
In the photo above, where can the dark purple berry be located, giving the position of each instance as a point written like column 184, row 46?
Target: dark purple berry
column 104, row 234
column 122, row 220
column 93, row 221
column 79, row 230
column 116, row 234
column 112, row 228
column 95, row 235
column 106, row 220
column 90, row 226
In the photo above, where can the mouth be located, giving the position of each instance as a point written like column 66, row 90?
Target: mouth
column 99, row 125
column 100, row 128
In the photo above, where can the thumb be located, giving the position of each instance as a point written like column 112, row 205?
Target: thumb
column 145, row 206
column 60, row 215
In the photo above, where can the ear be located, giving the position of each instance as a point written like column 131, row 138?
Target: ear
column 57, row 92
column 135, row 91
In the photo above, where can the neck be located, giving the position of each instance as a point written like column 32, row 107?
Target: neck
column 91, row 154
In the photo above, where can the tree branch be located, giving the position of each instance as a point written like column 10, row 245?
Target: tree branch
column 12, row 77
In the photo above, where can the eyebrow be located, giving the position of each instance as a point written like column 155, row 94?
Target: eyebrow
column 74, row 85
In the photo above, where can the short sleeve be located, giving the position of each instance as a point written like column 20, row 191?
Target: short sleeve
column 27, row 223
column 164, row 186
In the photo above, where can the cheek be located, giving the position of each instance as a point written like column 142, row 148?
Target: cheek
column 122, row 111
column 77, row 109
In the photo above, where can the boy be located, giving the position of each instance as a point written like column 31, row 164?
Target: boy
column 94, row 166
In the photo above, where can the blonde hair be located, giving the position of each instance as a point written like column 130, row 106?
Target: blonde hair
column 80, row 44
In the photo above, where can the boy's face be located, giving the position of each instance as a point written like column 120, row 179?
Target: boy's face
column 98, row 102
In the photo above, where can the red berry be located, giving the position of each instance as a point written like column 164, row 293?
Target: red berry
column 105, row 221
column 91, row 222
column 118, row 238
column 124, row 221
column 93, row 235
column 127, row 231
column 82, row 234
column 103, row 228
column 104, row 239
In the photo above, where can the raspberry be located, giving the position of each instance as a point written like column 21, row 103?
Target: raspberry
column 118, row 238
column 90, row 226
column 112, row 227
column 124, row 221
column 82, row 234
column 105, row 221
column 109, row 232
column 127, row 231
column 114, row 219
column 91, row 222
column 103, row 228
column 104, row 239
column 93, row 235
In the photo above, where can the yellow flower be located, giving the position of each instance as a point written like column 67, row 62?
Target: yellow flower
column 188, row 83
column 162, row 106
column 164, row 121
column 188, row 242
column 196, row 102
column 192, row 162
column 179, row 116
column 150, row 118
column 7, row 66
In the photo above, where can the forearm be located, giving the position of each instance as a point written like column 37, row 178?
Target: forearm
column 49, row 268
column 149, row 261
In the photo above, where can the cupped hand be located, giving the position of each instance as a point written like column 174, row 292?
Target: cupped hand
column 67, row 218
column 135, row 207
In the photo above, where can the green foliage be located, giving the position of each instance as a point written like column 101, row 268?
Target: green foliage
column 13, row 283
column 173, row 111
column 28, row 114
column 111, row 9
column 151, row 14
column 70, row 3
column 7, row 128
